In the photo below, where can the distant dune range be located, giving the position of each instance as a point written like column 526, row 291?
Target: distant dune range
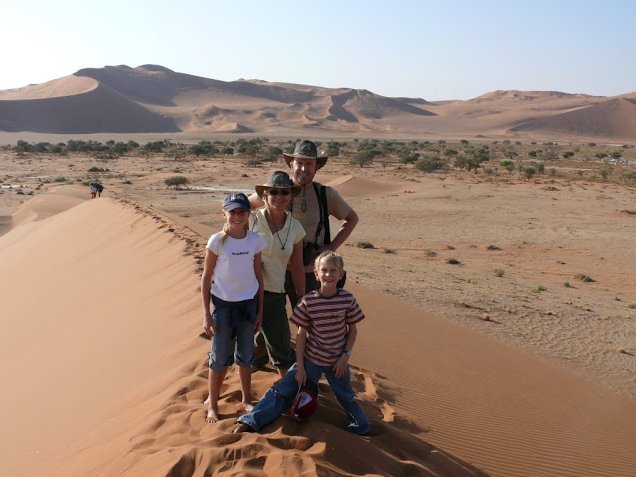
column 154, row 99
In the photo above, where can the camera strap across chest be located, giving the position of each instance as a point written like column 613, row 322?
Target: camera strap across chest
column 321, row 195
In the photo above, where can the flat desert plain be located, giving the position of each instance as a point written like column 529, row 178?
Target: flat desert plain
column 500, row 337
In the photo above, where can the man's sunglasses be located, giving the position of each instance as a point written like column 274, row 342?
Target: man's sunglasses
column 278, row 191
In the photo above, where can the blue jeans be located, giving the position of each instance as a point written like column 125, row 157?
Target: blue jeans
column 233, row 321
column 280, row 397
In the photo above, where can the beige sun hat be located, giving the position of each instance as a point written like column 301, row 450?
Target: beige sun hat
column 277, row 180
column 306, row 150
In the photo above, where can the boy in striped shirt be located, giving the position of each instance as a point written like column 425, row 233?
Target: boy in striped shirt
column 327, row 328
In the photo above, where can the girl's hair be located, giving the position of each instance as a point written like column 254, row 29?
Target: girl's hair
column 329, row 257
column 226, row 230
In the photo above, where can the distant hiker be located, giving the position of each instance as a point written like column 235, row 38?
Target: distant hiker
column 284, row 235
column 312, row 207
column 96, row 189
column 327, row 328
column 232, row 279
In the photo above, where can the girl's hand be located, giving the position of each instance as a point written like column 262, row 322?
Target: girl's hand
column 301, row 376
column 341, row 367
column 259, row 320
column 209, row 328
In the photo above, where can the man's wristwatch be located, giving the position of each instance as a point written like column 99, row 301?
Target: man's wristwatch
column 347, row 352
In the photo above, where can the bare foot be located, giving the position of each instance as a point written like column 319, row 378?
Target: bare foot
column 242, row 428
column 213, row 415
column 249, row 407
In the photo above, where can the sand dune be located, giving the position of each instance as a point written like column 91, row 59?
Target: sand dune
column 66, row 86
column 101, row 109
column 152, row 98
column 104, row 374
column 615, row 118
column 354, row 186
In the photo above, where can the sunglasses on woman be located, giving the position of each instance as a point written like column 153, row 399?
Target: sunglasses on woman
column 278, row 191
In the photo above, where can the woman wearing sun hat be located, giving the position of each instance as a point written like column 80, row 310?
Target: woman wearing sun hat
column 284, row 251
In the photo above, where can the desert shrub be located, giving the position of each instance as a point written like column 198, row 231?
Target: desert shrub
column 529, row 172
column 567, row 154
column 176, row 181
column 154, row 146
column 538, row 289
column 228, row 151
column 431, row 163
column 119, row 148
column 499, row 272
column 97, row 169
column 362, row 158
column 272, row 153
column 364, row 244
column 203, row 148
column 605, row 172
column 333, row 148
column 409, row 158
column 389, row 250
column 630, row 176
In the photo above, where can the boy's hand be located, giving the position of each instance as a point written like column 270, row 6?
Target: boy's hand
column 301, row 376
column 209, row 327
column 341, row 367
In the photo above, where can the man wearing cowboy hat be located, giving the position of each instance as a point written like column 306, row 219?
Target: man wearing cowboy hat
column 307, row 208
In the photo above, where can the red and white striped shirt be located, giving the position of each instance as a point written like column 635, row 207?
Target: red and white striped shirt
column 326, row 321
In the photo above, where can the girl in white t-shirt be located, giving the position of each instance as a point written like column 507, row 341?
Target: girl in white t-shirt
column 232, row 279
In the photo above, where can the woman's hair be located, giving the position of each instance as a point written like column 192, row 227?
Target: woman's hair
column 329, row 257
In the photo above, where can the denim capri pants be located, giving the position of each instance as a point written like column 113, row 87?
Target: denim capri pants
column 234, row 321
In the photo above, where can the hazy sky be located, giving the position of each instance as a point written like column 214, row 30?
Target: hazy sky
column 429, row 49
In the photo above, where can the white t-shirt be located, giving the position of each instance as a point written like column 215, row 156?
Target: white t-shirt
column 234, row 278
column 279, row 248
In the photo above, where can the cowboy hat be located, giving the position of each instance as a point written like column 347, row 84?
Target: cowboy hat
column 277, row 180
column 306, row 150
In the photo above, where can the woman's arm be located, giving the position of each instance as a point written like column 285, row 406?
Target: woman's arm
column 298, row 269
column 258, row 271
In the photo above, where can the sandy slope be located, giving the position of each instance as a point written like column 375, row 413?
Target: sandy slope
column 105, row 374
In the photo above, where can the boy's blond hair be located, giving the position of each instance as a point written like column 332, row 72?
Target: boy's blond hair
column 329, row 257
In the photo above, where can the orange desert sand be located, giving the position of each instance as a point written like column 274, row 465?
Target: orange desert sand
column 103, row 371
